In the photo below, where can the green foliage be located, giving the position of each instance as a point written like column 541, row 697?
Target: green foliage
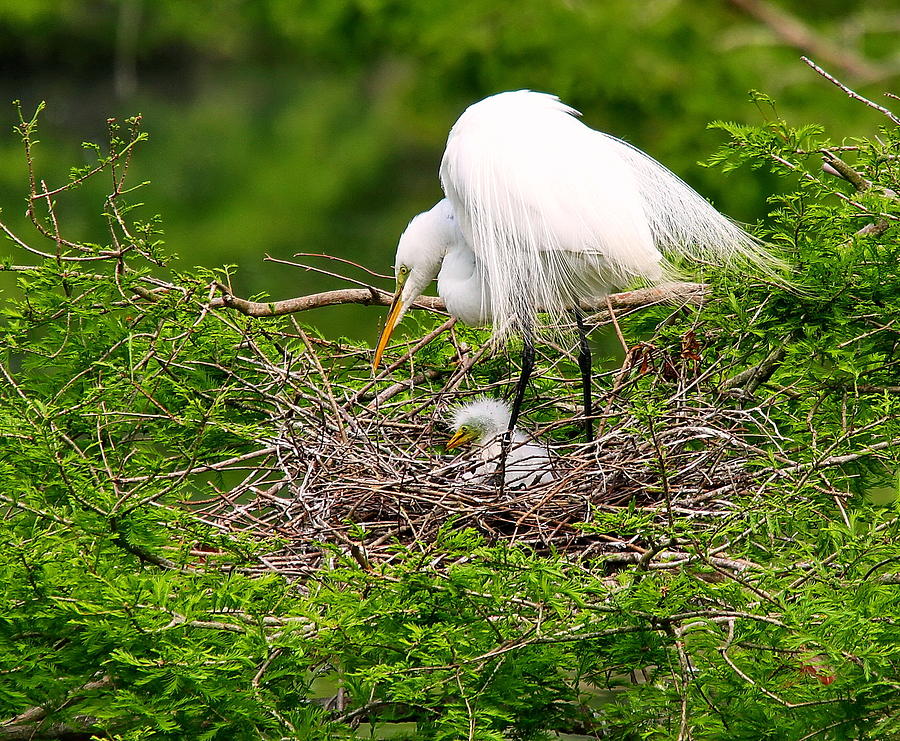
column 130, row 400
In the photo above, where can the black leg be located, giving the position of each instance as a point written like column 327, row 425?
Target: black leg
column 527, row 368
column 584, row 363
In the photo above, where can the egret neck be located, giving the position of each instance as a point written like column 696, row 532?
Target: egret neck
column 420, row 252
column 462, row 285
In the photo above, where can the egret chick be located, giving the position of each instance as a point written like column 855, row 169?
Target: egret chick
column 483, row 423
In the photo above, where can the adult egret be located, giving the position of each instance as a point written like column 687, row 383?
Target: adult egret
column 483, row 423
column 541, row 211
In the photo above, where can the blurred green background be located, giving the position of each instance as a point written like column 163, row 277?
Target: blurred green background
column 280, row 127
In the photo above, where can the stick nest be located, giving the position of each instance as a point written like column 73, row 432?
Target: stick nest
column 367, row 470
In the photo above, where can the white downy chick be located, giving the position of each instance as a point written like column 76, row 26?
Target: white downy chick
column 483, row 423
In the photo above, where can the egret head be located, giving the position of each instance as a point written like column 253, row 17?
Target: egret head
column 478, row 422
column 420, row 253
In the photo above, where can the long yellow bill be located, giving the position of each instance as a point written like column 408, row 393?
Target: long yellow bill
column 389, row 323
column 460, row 437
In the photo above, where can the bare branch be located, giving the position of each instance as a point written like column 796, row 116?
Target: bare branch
column 751, row 378
column 27, row 724
column 692, row 293
column 852, row 93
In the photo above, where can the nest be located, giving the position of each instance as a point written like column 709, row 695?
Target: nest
column 367, row 470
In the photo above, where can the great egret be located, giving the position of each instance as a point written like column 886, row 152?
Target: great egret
column 541, row 211
column 483, row 423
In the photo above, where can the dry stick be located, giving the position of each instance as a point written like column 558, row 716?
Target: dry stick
column 368, row 297
column 615, row 323
column 409, row 353
column 834, row 165
column 58, row 239
column 46, row 255
column 201, row 468
column 553, row 492
column 345, row 262
column 867, row 334
column 663, row 473
column 684, row 663
column 627, row 364
column 307, row 346
column 875, row 229
column 829, row 559
column 769, row 693
column 432, row 374
column 837, row 723
column 81, row 727
column 455, row 379
column 321, row 271
column 836, row 460
column 807, row 176
column 72, row 184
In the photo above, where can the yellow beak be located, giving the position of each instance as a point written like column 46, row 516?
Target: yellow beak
column 393, row 315
column 460, row 437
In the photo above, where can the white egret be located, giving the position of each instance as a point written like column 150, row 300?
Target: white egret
column 541, row 211
column 483, row 423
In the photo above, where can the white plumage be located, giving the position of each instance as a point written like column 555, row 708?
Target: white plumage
column 541, row 210
column 483, row 422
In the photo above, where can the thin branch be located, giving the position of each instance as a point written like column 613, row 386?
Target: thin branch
column 768, row 693
column 200, row 468
column 852, row 93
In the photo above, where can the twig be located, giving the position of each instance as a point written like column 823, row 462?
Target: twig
column 852, row 93
column 612, row 316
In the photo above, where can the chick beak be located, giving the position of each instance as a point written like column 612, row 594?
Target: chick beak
column 460, row 437
column 394, row 314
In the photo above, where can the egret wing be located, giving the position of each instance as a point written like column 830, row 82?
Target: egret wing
column 556, row 211
column 552, row 211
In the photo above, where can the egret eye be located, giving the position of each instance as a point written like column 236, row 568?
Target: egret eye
column 402, row 270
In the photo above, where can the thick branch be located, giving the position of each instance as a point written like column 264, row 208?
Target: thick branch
column 28, row 724
column 692, row 293
column 64, row 731
column 834, row 165
column 753, row 377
